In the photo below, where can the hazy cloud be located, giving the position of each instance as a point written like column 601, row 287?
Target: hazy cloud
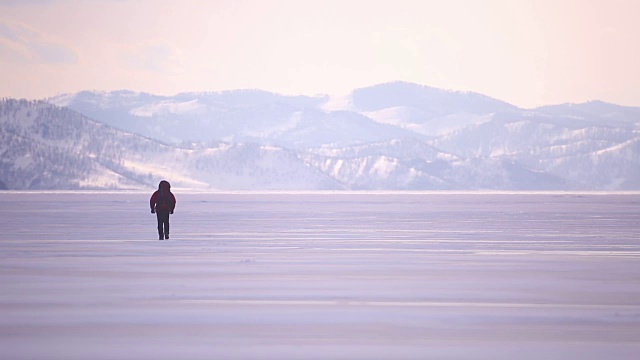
column 529, row 53
column 19, row 43
column 158, row 58
column 43, row 2
column 25, row 2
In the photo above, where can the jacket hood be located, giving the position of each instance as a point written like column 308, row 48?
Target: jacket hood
column 164, row 184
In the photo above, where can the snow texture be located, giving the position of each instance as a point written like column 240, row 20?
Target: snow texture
column 321, row 276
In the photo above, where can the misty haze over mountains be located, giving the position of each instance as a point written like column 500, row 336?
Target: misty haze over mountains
column 394, row 136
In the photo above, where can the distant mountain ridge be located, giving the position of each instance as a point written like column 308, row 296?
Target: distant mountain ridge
column 394, row 136
column 433, row 101
column 48, row 147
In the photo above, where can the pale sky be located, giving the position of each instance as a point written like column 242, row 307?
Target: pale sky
column 526, row 52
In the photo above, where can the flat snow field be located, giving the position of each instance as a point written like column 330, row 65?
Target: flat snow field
column 321, row 276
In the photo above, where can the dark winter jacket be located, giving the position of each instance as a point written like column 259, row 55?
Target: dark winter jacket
column 163, row 201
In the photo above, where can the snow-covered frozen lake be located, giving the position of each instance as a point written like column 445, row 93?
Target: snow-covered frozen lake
column 321, row 276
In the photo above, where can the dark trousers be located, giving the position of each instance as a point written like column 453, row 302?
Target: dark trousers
column 163, row 223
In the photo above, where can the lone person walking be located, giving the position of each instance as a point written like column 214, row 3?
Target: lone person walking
column 162, row 204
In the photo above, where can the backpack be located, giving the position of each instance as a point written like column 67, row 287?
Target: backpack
column 163, row 201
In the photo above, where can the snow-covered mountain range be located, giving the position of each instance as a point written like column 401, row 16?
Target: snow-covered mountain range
column 394, row 136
